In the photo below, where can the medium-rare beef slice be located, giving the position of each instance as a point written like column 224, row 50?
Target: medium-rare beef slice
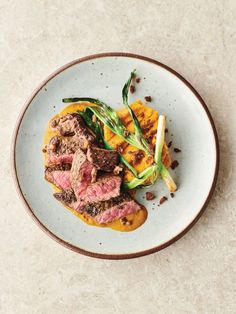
column 73, row 125
column 102, row 212
column 103, row 159
column 82, row 173
column 106, row 187
column 112, row 209
column 59, row 175
column 61, row 149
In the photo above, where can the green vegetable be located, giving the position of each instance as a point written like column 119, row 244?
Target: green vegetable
column 157, row 169
column 138, row 132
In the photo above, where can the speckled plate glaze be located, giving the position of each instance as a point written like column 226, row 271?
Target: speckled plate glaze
column 191, row 129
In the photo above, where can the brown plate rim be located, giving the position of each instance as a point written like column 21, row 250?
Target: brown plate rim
column 29, row 209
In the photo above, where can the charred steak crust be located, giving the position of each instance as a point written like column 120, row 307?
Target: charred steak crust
column 73, row 125
column 60, row 167
column 103, row 159
column 59, row 145
column 67, row 197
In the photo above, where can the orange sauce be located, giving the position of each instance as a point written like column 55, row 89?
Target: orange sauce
column 135, row 220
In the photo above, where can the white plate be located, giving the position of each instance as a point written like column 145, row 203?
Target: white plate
column 188, row 119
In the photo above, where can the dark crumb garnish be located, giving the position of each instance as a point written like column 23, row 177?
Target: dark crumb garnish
column 44, row 150
column 132, row 89
column 138, row 80
column 163, row 199
column 169, row 144
column 174, row 164
column 149, row 196
column 172, row 195
column 177, row 150
column 148, row 98
column 126, row 133
column 125, row 221
column 166, row 130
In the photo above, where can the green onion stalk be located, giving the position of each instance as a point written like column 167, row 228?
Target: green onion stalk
column 138, row 132
column 158, row 168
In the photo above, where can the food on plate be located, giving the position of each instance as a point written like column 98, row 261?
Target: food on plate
column 95, row 156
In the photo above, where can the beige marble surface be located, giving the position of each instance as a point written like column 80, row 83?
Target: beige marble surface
column 196, row 274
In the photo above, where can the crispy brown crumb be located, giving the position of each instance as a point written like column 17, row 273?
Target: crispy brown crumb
column 132, row 89
column 126, row 133
column 172, row 195
column 169, row 144
column 44, row 150
column 148, row 98
column 125, row 221
column 138, row 80
column 177, row 150
column 174, row 164
column 166, row 130
column 149, row 196
column 163, row 199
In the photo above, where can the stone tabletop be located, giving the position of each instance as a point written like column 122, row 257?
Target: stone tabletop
column 197, row 274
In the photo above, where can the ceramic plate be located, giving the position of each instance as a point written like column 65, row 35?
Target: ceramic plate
column 190, row 128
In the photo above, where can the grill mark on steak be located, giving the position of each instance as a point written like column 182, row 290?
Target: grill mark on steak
column 73, row 125
column 103, row 159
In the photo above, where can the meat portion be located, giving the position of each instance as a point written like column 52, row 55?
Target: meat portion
column 103, row 159
column 61, row 149
column 59, row 175
column 82, row 173
column 106, row 187
column 102, row 212
column 73, row 124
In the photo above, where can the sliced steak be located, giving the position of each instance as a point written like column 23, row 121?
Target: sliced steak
column 112, row 209
column 61, row 149
column 102, row 212
column 106, row 187
column 82, row 173
column 103, row 159
column 73, row 124
column 59, row 175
